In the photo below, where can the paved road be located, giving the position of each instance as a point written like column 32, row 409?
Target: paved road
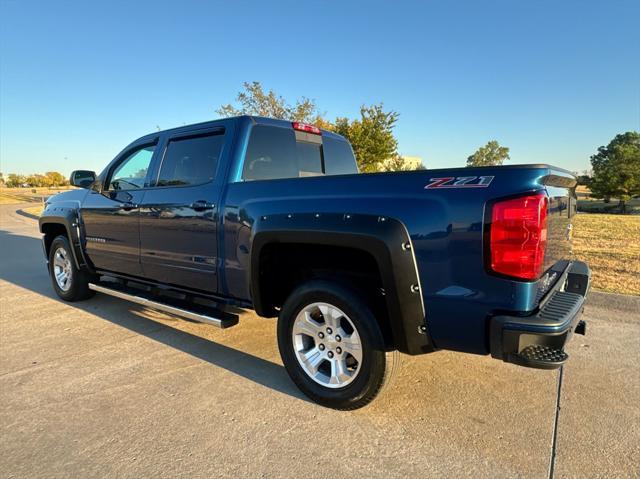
column 105, row 388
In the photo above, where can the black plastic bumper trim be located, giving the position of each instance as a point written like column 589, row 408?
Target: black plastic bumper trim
column 551, row 327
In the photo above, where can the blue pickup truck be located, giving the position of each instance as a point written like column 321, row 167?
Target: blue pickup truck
column 205, row 220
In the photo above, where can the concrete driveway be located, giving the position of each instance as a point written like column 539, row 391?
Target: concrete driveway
column 104, row 388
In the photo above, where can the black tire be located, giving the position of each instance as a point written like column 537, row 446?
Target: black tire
column 78, row 288
column 377, row 364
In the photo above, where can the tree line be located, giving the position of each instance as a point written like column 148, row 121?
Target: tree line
column 51, row 179
column 371, row 135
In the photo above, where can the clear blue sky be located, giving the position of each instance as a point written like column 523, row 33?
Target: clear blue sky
column 551, row 80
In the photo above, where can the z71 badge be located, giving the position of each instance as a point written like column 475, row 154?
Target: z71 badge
column 460, row 182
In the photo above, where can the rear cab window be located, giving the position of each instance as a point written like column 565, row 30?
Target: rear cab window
column 277, row 152
column 338, row 157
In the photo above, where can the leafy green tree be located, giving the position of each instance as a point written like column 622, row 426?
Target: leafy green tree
column 255, row 101
column 14, row 181
column 616, row 169
column 371, row 136
column 583, row 180
column 36, row 181
column 55, row 178
column 491, row 154
column 583, row 177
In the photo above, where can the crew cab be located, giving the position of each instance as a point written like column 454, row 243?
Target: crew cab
column 206, row 220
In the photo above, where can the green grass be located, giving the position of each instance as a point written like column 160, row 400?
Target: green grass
column 610, row 244
column 12, row 199
column 12, row 196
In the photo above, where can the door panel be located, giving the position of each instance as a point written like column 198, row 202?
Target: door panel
column 179, row 239
column 112, row 230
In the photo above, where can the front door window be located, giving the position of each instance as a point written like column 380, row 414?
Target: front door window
column 131, row 173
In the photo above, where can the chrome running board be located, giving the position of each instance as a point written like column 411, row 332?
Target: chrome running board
column 140, row 298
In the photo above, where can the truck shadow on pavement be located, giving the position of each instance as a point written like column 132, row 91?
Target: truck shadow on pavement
column 23, row 266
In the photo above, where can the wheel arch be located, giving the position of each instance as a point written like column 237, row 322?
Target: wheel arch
column 385, row 240
column 60, row 219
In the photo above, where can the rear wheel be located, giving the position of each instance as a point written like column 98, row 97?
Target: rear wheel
column 332, row 346
column 69, row 282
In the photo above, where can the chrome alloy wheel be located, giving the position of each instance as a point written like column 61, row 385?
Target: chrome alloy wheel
column 62, row 270
column 327, row 345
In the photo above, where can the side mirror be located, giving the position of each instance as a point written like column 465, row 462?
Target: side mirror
column 82, row 178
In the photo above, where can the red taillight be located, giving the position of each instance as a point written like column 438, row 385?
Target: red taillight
column 518, row 236
column 306, row 128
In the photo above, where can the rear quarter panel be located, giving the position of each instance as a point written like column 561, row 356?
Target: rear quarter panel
column 445, row 226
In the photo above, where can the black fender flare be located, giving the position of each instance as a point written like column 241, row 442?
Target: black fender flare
column 385, row 239
column 67, row 216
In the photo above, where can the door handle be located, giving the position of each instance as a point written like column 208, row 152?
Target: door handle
column 128, row 206
column 202, row 205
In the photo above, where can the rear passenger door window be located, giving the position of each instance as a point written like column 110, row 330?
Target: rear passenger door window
column 191, row 160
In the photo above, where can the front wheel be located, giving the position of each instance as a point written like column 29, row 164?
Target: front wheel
column 332, row 346
column 69, row 282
